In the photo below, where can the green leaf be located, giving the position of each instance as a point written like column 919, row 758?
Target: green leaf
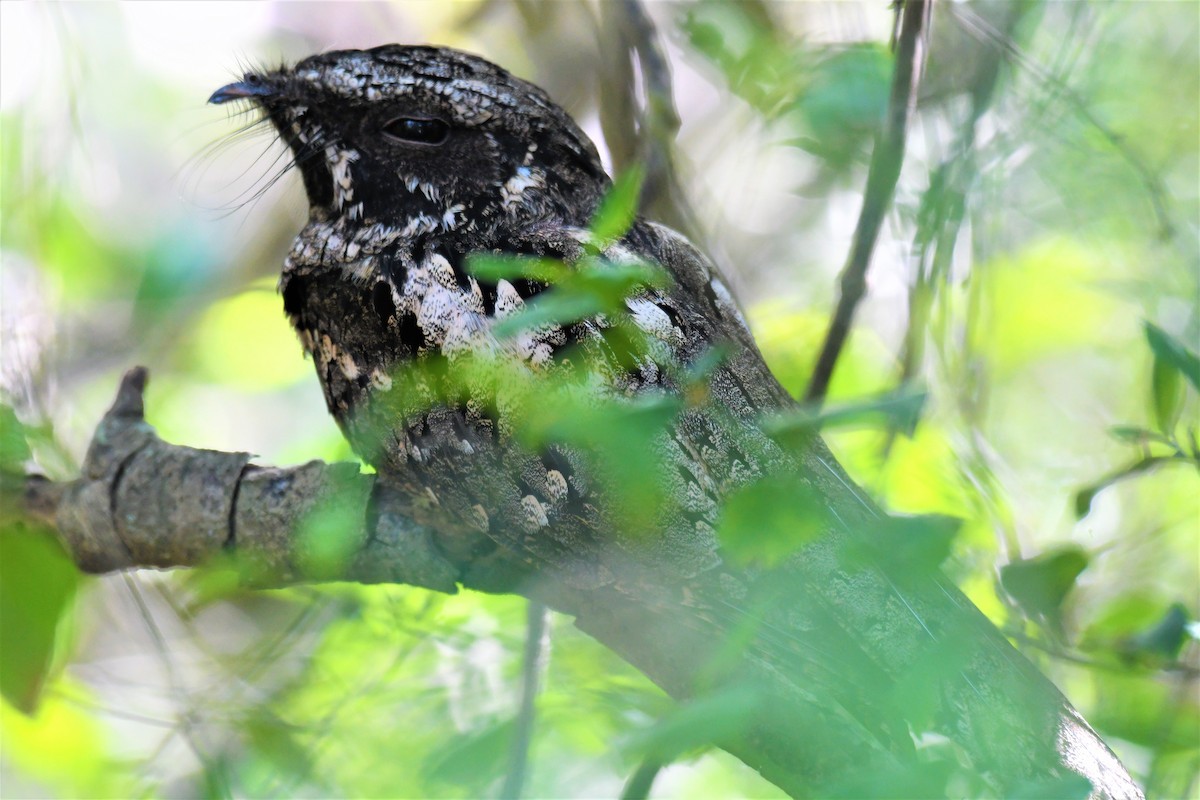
column 925, row 780
column 767, row 521
column 844, row 102
column 549, row 308
column 920, row 542
column 1166, row 388
column 1041, row 584
column 14, row 450
column 1163, row 641
column 1132, row 434
column 495, row 266
column 1171, row 351
column 901, row 409
column 1085, row 496
column 594, row 287
column 37, row 584
column 619, row 207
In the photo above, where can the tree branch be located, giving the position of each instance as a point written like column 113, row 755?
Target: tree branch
column 142, row 502
column 810, row 669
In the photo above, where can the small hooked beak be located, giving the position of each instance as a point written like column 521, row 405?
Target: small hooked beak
column 253, row 86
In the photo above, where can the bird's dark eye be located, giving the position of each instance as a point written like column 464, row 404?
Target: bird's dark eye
column 419, row 131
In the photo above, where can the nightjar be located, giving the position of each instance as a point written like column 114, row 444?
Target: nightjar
column 414, row 160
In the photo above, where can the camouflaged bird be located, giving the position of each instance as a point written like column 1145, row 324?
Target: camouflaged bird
column 415, row 158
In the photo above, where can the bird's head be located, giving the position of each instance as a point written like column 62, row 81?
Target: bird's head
column 425, row 136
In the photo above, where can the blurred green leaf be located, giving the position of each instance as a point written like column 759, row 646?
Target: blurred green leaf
column 1160, row 643
column 496, row 266
column 472, row 760
column 1173, row 353
column 330, row 535
column 14, row 449
column 1167, row 390
column 1085, row 496
column 918, row 543
column 1145, row 710
column 1041, row 584
column 37, row 584
column 927, row 780
column 844, row 101
column 771, row 519
column 901, row 410
column 759, row 65
column 1132, row 434
column 594, row 287
column 276, row 741
column 701, row 723
column 618, row 208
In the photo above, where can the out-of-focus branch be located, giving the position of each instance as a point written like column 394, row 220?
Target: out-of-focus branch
column 886, row 160
column 642, row 132
column 531, row 670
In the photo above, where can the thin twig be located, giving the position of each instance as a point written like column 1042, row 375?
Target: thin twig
column 518, row 759
column 882, row 176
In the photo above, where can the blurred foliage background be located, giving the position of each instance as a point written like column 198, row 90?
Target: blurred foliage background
column 1047, row 211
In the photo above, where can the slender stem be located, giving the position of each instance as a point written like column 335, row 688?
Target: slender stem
column 884, row 172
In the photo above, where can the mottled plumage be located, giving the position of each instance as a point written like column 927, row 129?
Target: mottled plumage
column 414, row 158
